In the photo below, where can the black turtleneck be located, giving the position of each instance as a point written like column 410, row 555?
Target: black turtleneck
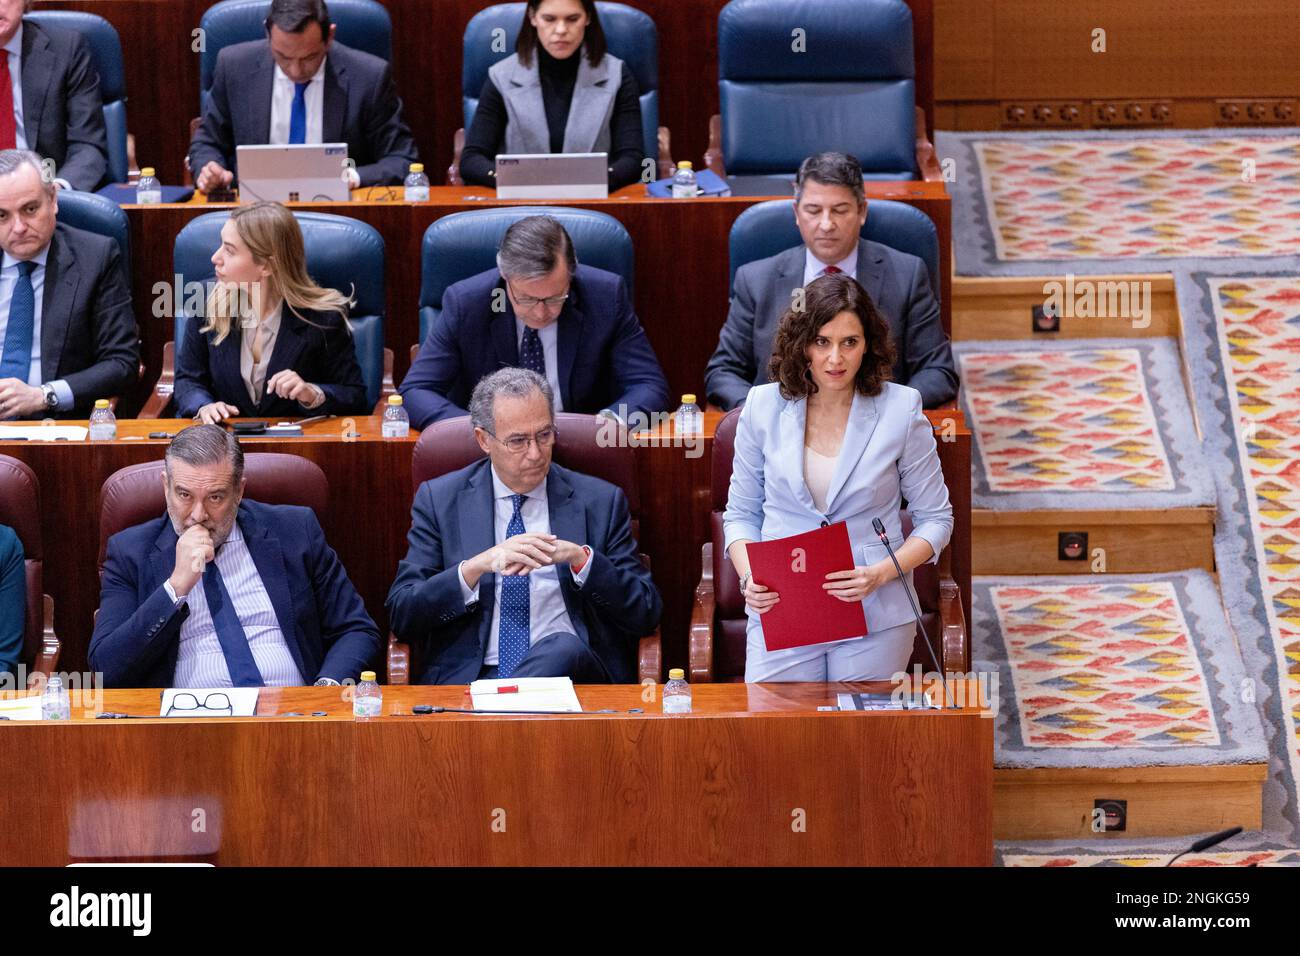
column 486, row 135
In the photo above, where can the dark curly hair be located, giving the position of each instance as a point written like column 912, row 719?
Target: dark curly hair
column 823, row 299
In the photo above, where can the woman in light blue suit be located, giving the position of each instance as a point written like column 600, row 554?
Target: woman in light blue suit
column 831, row 440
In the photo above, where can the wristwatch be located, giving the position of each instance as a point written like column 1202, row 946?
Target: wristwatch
column 744, row 581
column 51, row 397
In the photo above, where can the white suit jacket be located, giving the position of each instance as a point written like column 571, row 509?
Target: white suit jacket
column 888, row 453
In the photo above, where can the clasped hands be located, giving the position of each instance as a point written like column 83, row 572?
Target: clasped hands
column 526, row 552
column 286, row 383
column 851, row 585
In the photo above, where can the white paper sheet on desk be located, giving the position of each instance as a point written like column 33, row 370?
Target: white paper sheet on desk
column 21, row 708
column 553, row 695
column 44, row 432
column 243, row 701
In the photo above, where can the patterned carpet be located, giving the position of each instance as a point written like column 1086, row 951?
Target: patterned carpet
column 1255, row 857
column 1097, row 423
column 1037, row 203
column 1113, row 671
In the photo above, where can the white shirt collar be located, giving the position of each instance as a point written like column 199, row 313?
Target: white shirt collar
column 282, row 77
column 500, row 490
column 39, row 258
column 15, row 44
column 813, row 266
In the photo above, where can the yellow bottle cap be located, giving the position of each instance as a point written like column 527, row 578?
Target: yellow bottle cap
column 394, row 399
column 101, row 403
column 417, row 167
column 688, row 399
column 367, row 675
column 146, row 171
column 685, row 164
column 677, row 674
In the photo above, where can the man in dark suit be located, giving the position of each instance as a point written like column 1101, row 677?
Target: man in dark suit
column 66, row 323
column 54, row 109
column 223, row 592
column 300, row 86
column 539, row 310
column 830, row 208
column 517, row 567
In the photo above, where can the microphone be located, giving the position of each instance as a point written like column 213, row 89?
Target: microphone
column 1204, row 843
column 879, row 528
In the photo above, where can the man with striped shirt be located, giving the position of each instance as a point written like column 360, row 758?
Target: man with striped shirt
column 224, row 592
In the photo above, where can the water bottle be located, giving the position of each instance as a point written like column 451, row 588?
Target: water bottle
column 367, row 699
column 677, row 693
column 684, row 184
column 688, row 419
column 416, row 187
column 103, row 423
column 148, row 189
column 54, row 700
column 396, row 422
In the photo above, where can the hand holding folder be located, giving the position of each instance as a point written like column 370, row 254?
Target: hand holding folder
column 796, row 568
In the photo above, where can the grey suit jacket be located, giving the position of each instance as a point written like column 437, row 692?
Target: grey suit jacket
column 63, row 115
column 361, row 109
column 88, row 332
column 588, row 127
column 898, row 284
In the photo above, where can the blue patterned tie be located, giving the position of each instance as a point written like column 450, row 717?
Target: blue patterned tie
column 17, row 360
column 531, row 355
column 230, row 633
column 513, row 638
column 298, row 115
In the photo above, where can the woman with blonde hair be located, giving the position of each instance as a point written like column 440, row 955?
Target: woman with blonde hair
column 271, row 342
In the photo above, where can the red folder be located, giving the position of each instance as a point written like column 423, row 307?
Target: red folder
column 796, row 568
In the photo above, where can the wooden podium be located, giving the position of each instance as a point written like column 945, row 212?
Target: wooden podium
column 755, row 776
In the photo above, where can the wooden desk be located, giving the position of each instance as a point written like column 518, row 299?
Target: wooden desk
column 681, row 291
column 755, row 776
column 366, row 522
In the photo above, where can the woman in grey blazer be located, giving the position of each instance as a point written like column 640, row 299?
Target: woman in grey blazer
column 560, row 92
column 829, row 440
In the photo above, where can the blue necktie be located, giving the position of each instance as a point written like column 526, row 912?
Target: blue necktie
column 513, row 638
column 17, row 360
column 298, row 115
column 230, row 633
column 531, row 355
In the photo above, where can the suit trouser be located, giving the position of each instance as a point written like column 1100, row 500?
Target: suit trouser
column 878, row 656
column 558, row 655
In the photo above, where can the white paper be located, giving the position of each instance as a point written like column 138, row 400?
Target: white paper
column 21, row 708
column 243, row 701
column 44, row 432
column 552, row 695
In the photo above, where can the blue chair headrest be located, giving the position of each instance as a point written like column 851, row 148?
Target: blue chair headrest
column 841, row 40
column 95, row 213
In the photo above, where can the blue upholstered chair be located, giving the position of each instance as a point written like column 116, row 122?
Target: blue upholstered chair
column 106, row 52
column 97, row 214
column 767, row 228
column 463, row 244
column 342, row 254
column 630, row 34
column 796, row 77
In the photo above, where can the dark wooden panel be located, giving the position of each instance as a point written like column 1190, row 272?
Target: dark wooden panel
column 722, row 786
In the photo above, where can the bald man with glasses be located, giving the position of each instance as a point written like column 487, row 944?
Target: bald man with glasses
column 517, row 567
column 540, row 310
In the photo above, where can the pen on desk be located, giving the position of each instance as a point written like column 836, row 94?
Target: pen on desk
column 314, row 418
column 161, row 435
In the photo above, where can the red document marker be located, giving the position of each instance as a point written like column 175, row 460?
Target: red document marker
column 796, row 568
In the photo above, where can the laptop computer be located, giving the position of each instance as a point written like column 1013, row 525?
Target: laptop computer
column 553, row 176
column 303, row 172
